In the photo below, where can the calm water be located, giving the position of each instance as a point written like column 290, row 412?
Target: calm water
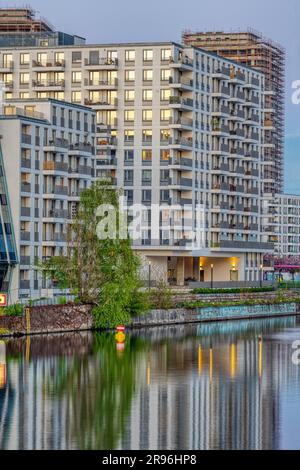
column 213, row 386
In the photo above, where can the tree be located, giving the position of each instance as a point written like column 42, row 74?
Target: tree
column 102, row 271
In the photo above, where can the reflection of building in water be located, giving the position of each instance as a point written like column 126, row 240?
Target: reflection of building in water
column 205, row 391
column 229, row 397
column 2, row 365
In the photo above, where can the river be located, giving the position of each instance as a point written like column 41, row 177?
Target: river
column 230, row 385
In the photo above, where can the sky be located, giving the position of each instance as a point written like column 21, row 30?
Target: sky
column 164, row 20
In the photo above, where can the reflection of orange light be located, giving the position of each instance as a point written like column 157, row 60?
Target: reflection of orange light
column 148, row 374
column 120, row 337
column 199, row 360
column 233, row 362
column 2, row 375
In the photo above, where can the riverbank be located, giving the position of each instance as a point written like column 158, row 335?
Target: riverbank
column 71, row 317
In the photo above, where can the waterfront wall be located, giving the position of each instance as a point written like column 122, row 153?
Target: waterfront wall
column 50, row 319
column 64, row 318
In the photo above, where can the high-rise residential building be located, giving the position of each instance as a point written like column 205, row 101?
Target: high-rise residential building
column 284, row 226
column 175, row 126
column 251, row 49
column 48, row 157
column 23, row 27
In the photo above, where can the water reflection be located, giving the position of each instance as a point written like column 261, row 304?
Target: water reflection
column 224, row 386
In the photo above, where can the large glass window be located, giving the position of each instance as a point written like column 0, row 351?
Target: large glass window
column 147, row 95
column 129, row 96
column 129, row 56
column 129, row 115
column 165, row 54
column 76, row 77
column 147, row 115
column 129, row 75
column 148, row 75
column 24, row 59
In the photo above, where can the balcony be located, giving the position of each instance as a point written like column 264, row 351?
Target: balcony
column 184, row 163
column 26, row 139
column 181, row 183
column 48, row 84
column 181, row 84
column 101, row 64
column 25, row 236
column 182, row 63
column 221, row 92
column 56, row 145
column 56, row 191
column 55, row 166
column 25, row 187
column 181, row 123
column 221, row 111
column 181, row 143
column 25, row 211
column 81, row 147
column 24, row 285
column 6, row 66
column 236, row 115
column 26, row 163
column 109, row 162
column 101, row 84
column 242, row 245
column 113, row 104
column 44, row 66
column 183, row 103
column 25, row 260
column 222, row 73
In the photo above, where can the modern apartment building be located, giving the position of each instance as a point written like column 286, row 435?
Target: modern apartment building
column 175, row 126
column 251, row 49
column 48, row 158
column 284, row 227
column 23, row 27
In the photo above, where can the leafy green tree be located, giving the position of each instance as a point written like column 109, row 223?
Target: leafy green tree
column 103, row 271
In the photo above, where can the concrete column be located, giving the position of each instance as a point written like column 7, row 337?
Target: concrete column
column 196, row 269
column 180, row 271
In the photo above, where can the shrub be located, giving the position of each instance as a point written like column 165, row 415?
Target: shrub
column 15, row 310
column 161, row 297
column 62, row 301
column 246, row 290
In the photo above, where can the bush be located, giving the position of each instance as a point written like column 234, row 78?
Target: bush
column 161, row 297
column 15, row 310
column 62, row 301
column 246, row 290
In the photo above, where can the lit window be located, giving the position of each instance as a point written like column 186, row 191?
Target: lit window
column 147, row 115
column 165, row 95
column 146, row 155
column 24, row 78
column 129, row 95
column 129, row 56
column 129, row 115
column 165, row 54
column 129, row 75
column 148, row 55
column 148, row 75
column 76, row 77
column 24, row 59
column 165, row 115
column 147, row 95
column 76, row 96
column 165, row 75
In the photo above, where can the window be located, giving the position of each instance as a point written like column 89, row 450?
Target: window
column 129, row 96
column 128, row 156
column 42, row 58
column 59, row 58
column 128, row 176
column 24, row 59
column 165, row 54
column 76, row 96
column 24, row 95
column 147, row 135
column 147, row 95
column 76, row 77
column 146, row 177
column 7, row 60
column 147, row 155
column 165, row 155
column 129, row 75
column 164, row 176
column 147, row 115
column 165, row 75
column 148, row 55
column 146, row 195
column 148, row 75
column 76, row 57
column 129, row 56
column 128, row 194
column 129, row 136
column 164, row 195
column 129, row 115
column 165, row 115
column 59, row 95
column 24, row 78
column 165, row 134
column 165, row 95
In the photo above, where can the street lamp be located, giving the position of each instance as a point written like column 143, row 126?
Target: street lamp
column 149, row 275
column 212, row 276
column 261, row 275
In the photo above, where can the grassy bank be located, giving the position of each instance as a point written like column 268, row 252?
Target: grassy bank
column 202, row 304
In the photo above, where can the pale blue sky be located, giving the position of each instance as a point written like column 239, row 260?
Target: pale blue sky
column 158, row 20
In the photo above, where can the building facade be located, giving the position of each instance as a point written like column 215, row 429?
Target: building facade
column 48, row 158
column 284, row 227
column 175, row 126
column 251, row 49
